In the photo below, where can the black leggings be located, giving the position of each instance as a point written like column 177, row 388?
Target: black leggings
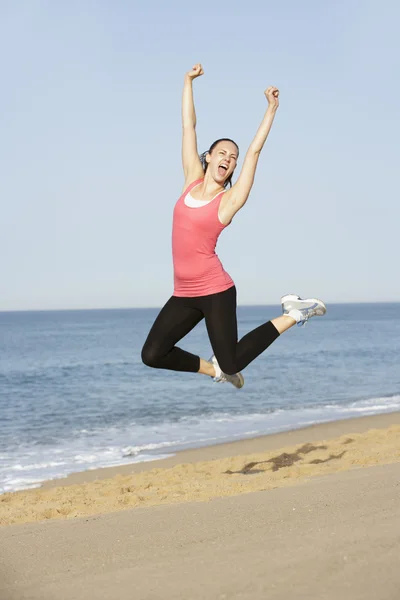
column 181, row 315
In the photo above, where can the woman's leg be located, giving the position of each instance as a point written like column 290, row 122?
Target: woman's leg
column 283, row 323
column 175, row 320
column 221, row 322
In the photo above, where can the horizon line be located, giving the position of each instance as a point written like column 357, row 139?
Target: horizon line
column 155, row 307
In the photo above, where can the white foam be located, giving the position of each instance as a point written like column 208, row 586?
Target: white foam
column 36, row 466
column 113, row 446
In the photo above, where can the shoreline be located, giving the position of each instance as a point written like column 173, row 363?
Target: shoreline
column 203, row 475
column 249, row 445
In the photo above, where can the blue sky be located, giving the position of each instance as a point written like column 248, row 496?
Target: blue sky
column 90, row 147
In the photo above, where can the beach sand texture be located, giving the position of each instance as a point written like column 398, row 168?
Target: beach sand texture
column 333, row 537
column 205, row 480
column 324, row 523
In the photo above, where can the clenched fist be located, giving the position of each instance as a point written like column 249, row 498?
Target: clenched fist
column 272, row 95
column 196, row 71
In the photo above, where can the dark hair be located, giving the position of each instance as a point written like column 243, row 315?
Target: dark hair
column 205, row 163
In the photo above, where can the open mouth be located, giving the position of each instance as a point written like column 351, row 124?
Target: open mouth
column 222, row 170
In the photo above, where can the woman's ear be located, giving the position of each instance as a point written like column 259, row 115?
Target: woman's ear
column 208, row 158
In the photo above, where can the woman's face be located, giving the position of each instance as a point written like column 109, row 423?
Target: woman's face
column 222, row 161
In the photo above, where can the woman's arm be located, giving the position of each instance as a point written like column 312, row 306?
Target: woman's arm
column 237, row 196
column 192, row 166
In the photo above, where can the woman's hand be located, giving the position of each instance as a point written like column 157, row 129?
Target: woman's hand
column 196, row 71
column 272, row 95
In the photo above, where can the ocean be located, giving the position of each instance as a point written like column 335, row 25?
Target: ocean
column 74, row 394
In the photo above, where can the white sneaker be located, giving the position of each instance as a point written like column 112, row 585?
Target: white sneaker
column 237, row 379
column 302, row 310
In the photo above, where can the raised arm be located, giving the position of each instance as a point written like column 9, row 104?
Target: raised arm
column 192, row 166
column 237, row 196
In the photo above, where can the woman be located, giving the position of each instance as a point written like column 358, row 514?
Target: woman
column 202, row 288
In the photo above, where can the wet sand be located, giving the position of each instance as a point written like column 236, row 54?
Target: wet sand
column 307, row 513
column 206, row 473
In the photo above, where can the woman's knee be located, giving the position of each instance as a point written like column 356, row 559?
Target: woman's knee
column 150, row 355
column 227, row 365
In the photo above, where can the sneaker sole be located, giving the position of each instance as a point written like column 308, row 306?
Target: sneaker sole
column 294, row 297
column 238, row 387
column 241, row 378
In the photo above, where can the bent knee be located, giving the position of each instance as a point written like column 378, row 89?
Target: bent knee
column 228, row 366
column 150, row 356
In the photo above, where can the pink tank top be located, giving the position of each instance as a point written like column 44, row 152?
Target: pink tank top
column 197, row 268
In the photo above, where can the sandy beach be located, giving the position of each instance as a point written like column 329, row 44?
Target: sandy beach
column 306, row 513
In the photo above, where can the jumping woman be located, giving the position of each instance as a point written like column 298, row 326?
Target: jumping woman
column 202, row 288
